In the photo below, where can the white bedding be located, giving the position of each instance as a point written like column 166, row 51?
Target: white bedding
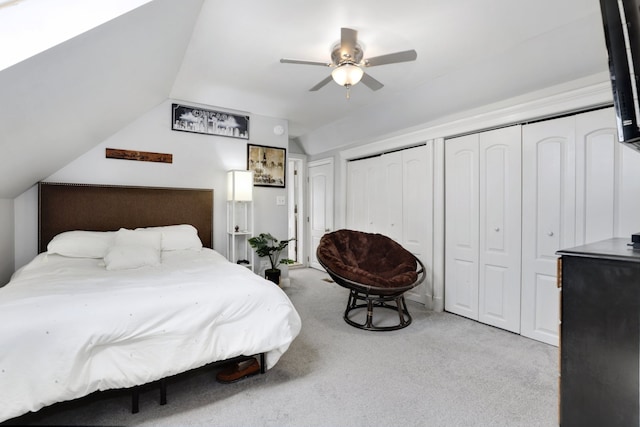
column 69, row 327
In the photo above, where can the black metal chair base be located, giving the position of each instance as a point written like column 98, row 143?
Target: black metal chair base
column 377, row 301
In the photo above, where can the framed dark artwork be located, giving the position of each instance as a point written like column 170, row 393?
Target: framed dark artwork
column 209, row 122
column 268, row 165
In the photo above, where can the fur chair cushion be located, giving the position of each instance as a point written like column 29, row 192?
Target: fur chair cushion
column 366, row 258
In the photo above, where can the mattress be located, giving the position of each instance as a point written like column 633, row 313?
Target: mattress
column 69, row 327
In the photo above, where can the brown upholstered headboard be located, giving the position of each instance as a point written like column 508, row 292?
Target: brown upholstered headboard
column 66, row 207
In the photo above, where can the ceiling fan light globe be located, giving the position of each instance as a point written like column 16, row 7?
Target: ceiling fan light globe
column 347, row 74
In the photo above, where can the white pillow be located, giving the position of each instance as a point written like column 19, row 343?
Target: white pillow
column 81, row 244
column 133, row 256
column 134, row 249
column 178, row 237
column 140, row 236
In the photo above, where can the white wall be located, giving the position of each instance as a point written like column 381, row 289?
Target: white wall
column 26, row 226
column 6, row 240
column 199, row 161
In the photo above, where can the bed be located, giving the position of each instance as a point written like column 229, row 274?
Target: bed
column 127, row 291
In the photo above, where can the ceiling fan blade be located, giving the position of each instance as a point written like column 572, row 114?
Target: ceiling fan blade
column 297, row 61
column 370, row 82
column 321, row 84
column 348, row 40
column 392, row 58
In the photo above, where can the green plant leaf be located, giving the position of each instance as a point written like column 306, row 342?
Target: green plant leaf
column 266, row 245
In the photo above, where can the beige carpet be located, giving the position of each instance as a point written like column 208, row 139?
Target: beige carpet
column 443, row 370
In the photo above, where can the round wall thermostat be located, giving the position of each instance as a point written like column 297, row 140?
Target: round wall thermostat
column 278, row 130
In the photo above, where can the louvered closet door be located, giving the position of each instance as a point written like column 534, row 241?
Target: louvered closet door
column 500, row 228
column 548, row 220
column 462, row 225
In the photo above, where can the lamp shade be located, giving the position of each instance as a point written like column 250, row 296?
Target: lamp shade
column 240, row 185
column 347, row 74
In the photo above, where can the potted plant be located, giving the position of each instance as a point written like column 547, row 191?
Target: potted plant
column 268, row 246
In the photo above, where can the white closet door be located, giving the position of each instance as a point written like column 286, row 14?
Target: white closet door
column 356, row 196
column 597, row 177
column 500, row 228
column 548, row 221
column 628, row 202
column 462, row 225
column 363, row 185
column 390, row 202
column 417, row 212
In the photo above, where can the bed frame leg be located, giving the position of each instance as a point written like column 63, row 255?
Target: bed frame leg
column 135, row 400
column 135, row 396
column 163, row 391
column 263, row 366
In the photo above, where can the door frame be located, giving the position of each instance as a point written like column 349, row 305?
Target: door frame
column 299, row 200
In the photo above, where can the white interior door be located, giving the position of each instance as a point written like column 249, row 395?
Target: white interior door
column 597, row 176
column 548, row 217
column 363, row 192
column 608, row 180
column 417, row 213
column 462, row 225
column 392, row 194
column 482, row 230
column 320, row 205
column 390, row 204
column 500, row 228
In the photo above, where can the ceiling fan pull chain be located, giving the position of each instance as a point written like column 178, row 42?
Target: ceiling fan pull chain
column 348, row 91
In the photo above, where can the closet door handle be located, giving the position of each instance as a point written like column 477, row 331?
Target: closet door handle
column 497, row 229
column 550, row 233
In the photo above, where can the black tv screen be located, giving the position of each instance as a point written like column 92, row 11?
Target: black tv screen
column 621, row 20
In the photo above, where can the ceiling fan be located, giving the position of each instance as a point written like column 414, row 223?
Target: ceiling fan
column 348, row 63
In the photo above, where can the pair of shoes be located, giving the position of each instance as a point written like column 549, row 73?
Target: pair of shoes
column 238, row 371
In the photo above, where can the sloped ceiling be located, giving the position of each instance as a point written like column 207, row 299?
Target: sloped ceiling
column 33, row 26
column 65, row 100
column 62, row 102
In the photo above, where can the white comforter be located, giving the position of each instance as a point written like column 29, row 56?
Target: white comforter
column 69, row 327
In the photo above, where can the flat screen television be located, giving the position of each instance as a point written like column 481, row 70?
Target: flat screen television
column 621, row 20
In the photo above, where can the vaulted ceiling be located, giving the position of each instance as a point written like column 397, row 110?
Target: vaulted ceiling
column 60, row 101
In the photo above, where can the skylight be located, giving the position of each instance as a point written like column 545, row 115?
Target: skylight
column 28, row 27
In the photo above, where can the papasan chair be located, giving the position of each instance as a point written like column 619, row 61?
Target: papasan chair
column 376, row 270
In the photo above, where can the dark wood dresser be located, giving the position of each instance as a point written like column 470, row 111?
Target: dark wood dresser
column 600, row 335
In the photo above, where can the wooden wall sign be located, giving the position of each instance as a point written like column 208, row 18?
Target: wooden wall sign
column 142, row 156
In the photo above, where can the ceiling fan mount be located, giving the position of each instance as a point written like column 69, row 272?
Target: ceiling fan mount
column 340, row 56
column 347, row 59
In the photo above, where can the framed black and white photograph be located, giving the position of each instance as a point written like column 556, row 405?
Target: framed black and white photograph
column 268, row 165
column 209, row 122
